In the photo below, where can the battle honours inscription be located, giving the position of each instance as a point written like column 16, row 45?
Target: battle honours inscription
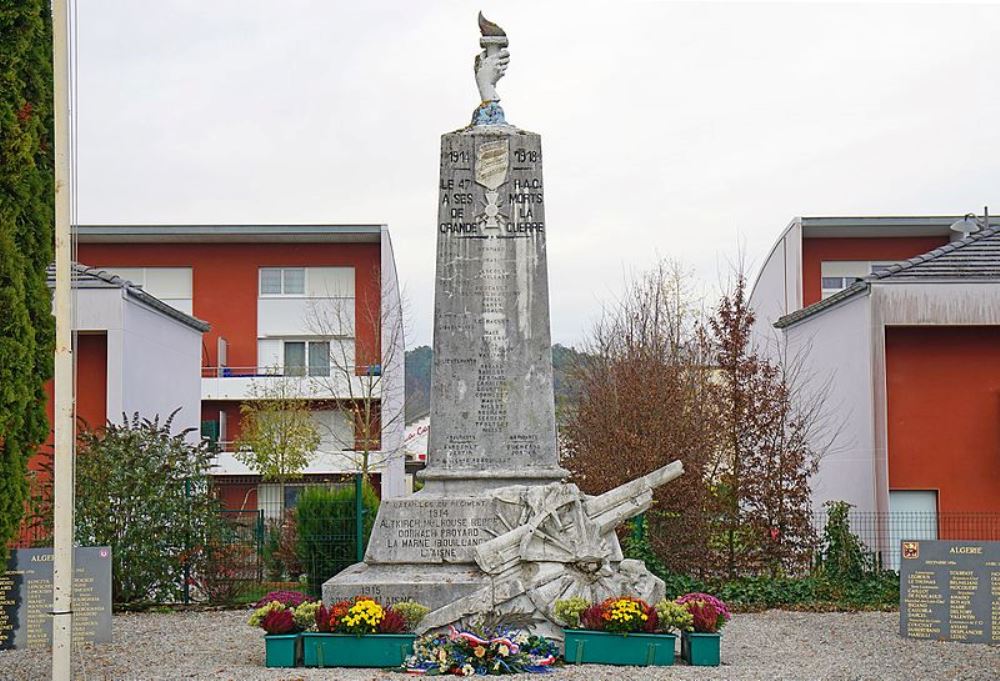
column 495, row 528
column 950, row 591
column 26, row 598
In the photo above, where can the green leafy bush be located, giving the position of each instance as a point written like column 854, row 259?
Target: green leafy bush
column 846, row 576
column 145, row 493
column 568, row 611
column 412, row 612
column 326, row 528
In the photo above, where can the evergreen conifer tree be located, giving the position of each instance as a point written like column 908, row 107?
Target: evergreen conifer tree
column 26, row 225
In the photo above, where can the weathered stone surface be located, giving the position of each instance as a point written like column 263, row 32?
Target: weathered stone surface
column 430, row 529
column 434, row 586
column 495, row 529
column 492, row 410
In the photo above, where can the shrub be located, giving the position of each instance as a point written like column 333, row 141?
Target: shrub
column 392, row 623
column 305, row 615
column 843, row 556
column 568, row 611
column 278, row 622
column 224, row 572
column 276, row 617
column 281, row 558
column 412, row 612
column 709, row 614
column 326, row 528
column 145, row 493
column 673, row 616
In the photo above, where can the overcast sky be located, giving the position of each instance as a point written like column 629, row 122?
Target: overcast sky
column 669, row 129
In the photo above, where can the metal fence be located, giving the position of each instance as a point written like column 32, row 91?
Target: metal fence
column 707, row 545
column 882, row 533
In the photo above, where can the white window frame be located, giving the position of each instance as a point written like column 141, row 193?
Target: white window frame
column 260, row 283
column 868, row 267
column 307, row 342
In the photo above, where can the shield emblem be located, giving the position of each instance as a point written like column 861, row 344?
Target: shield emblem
column 492, row 161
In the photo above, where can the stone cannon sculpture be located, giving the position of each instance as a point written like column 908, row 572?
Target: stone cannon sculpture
column 560, row 543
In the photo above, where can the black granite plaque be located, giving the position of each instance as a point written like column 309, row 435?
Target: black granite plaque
column 950, row 590
column 26, row 597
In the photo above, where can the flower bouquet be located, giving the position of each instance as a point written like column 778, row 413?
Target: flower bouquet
column 496, row 651
column 283, row 616
column 621, row 630
column 361, row 633
column 701, row 645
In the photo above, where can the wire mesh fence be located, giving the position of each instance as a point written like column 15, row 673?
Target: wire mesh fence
column 709, row 545
column 882, row 533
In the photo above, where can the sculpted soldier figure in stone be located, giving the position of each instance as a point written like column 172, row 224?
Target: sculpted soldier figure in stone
column 496, row 527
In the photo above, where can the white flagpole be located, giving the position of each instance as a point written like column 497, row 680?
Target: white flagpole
column 62, row 578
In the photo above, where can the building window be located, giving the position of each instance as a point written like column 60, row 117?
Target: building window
column 273, row 503
column 836, row 275
column 833, row 284
column 296, row 352
column 282, row 281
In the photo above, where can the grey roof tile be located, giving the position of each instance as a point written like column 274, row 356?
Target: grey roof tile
column 91, row 277
column 976, row 258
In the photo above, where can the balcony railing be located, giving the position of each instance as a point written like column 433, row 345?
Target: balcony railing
column 346, row 461
column 239, row 382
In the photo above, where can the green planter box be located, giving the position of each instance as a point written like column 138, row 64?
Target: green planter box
column 348, row 650
column 701, row 650
column 281, row 650
column 600, row 647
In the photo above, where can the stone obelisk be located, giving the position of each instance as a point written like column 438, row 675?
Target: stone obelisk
column 492, row 411
column 495, row 528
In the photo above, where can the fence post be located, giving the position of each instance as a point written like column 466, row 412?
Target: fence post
column 639, row 528
column 187, row 543
column 359, row 549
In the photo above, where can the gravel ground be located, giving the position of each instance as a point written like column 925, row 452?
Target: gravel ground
column 770, row 645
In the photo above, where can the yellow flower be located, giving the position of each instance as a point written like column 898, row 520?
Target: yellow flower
column 479, row 651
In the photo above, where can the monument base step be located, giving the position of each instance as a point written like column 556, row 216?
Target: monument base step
column 432, row 585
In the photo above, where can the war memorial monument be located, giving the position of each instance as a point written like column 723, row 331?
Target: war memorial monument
column 496, row 527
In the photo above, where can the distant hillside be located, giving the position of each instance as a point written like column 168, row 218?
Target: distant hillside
column 418, row 381
column 418, row 378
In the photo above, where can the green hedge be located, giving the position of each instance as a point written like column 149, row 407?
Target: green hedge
column 26, row 220
column 327, row 531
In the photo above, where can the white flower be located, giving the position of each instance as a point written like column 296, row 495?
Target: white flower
column 468, row 670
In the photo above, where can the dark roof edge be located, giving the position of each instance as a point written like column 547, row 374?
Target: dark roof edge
column 887, row 273
column 825, row 304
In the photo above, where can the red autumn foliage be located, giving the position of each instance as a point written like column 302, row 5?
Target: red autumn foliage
column 323, row 619
column 593, row 618
column 278, row 622
column 392, row 623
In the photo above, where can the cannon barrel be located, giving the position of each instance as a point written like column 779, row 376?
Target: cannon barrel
column 632, row 498
column 606, row 510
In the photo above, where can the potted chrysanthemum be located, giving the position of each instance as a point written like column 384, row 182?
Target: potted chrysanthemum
column 702, row 645
column 361, row 633
column 283, row 616
column 622, row 630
